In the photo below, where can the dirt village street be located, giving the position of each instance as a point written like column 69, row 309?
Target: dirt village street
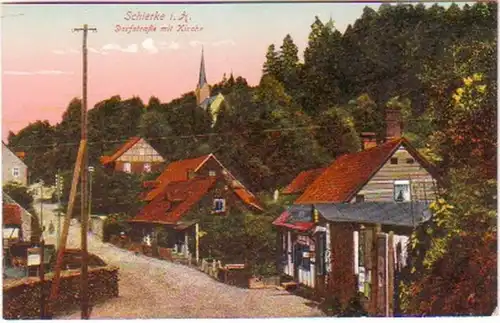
column 153, row 288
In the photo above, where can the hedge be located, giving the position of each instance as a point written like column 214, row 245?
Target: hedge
column 21, row 298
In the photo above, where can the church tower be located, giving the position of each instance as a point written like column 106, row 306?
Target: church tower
column 202, row 89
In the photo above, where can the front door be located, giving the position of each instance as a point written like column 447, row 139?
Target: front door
column 297, row 252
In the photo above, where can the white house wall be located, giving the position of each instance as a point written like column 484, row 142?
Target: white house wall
column 141, row 152
column 9, row 162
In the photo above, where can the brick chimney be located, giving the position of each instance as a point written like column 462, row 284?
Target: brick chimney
column 368, row 140
column 393, row 123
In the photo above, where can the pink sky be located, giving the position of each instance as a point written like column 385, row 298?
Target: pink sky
column 41, row 59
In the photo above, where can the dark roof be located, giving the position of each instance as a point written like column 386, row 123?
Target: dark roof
column 349, row 173
column 302, row 181
column 123, row 149
column 388, row 213
column 296, row 217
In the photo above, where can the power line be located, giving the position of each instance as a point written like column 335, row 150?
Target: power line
column 203, row 135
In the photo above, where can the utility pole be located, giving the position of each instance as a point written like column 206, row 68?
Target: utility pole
column 59, row 188
column 84, row 287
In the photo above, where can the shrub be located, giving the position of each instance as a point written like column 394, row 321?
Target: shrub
column 21, row 299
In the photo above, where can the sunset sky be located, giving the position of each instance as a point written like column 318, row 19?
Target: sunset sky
column 41, row 56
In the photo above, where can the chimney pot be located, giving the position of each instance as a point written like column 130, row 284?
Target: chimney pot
column 369, row 140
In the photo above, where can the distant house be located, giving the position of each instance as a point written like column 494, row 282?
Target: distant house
column 135, row 156
column 185, row 189
column 17, row 223
column 13, row 167
column 347, row 232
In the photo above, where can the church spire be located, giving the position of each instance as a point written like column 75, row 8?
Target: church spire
column 203, row 77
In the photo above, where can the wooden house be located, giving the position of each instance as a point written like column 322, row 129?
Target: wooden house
column 357, row 216
column 186, row 190
column 135, row 156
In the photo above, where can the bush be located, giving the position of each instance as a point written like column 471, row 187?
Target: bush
column 114, row 225
column 21, row 299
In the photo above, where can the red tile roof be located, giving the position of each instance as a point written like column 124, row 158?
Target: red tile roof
column 282, row 221
column 123, row 149
column 248, row 198
column 176, row 172
column 11, row 214
column 175, row 200
column 302, row 181
column 348, row 174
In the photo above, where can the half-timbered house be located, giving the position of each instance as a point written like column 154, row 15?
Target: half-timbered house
column 135, row 156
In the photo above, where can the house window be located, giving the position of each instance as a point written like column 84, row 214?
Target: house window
column 147, row 167
column 360, row 198
column 219, row 205
column 394, row 161
column 142, row 151
column 15, row 172
column 410, row 160
column 211, row 173
column 402, row 191
column 127, row 167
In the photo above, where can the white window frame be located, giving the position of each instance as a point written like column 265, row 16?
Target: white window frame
column 127, row 167
column 211, row 173
column 402, row 182
column 147, row 167
column 223, row 205
column 142, row 151
column 16, row 172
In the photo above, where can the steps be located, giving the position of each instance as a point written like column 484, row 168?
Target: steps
column 289, row 285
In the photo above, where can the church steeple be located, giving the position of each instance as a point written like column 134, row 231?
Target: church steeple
column 203, row 77
column 202, row 89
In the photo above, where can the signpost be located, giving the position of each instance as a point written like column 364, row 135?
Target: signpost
column 34, row 258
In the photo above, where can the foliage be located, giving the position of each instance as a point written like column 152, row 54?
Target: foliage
column 240, row 237
column 338, row 121
column 22, row 299
column 112, row 192
column 331, row 306
column 35, row 140
column 21, row 195
column 461, row 235
column 114, row 225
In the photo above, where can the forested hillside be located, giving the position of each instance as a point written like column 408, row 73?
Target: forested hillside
column 305, row 113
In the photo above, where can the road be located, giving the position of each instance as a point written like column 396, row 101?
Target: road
column 152, row 288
